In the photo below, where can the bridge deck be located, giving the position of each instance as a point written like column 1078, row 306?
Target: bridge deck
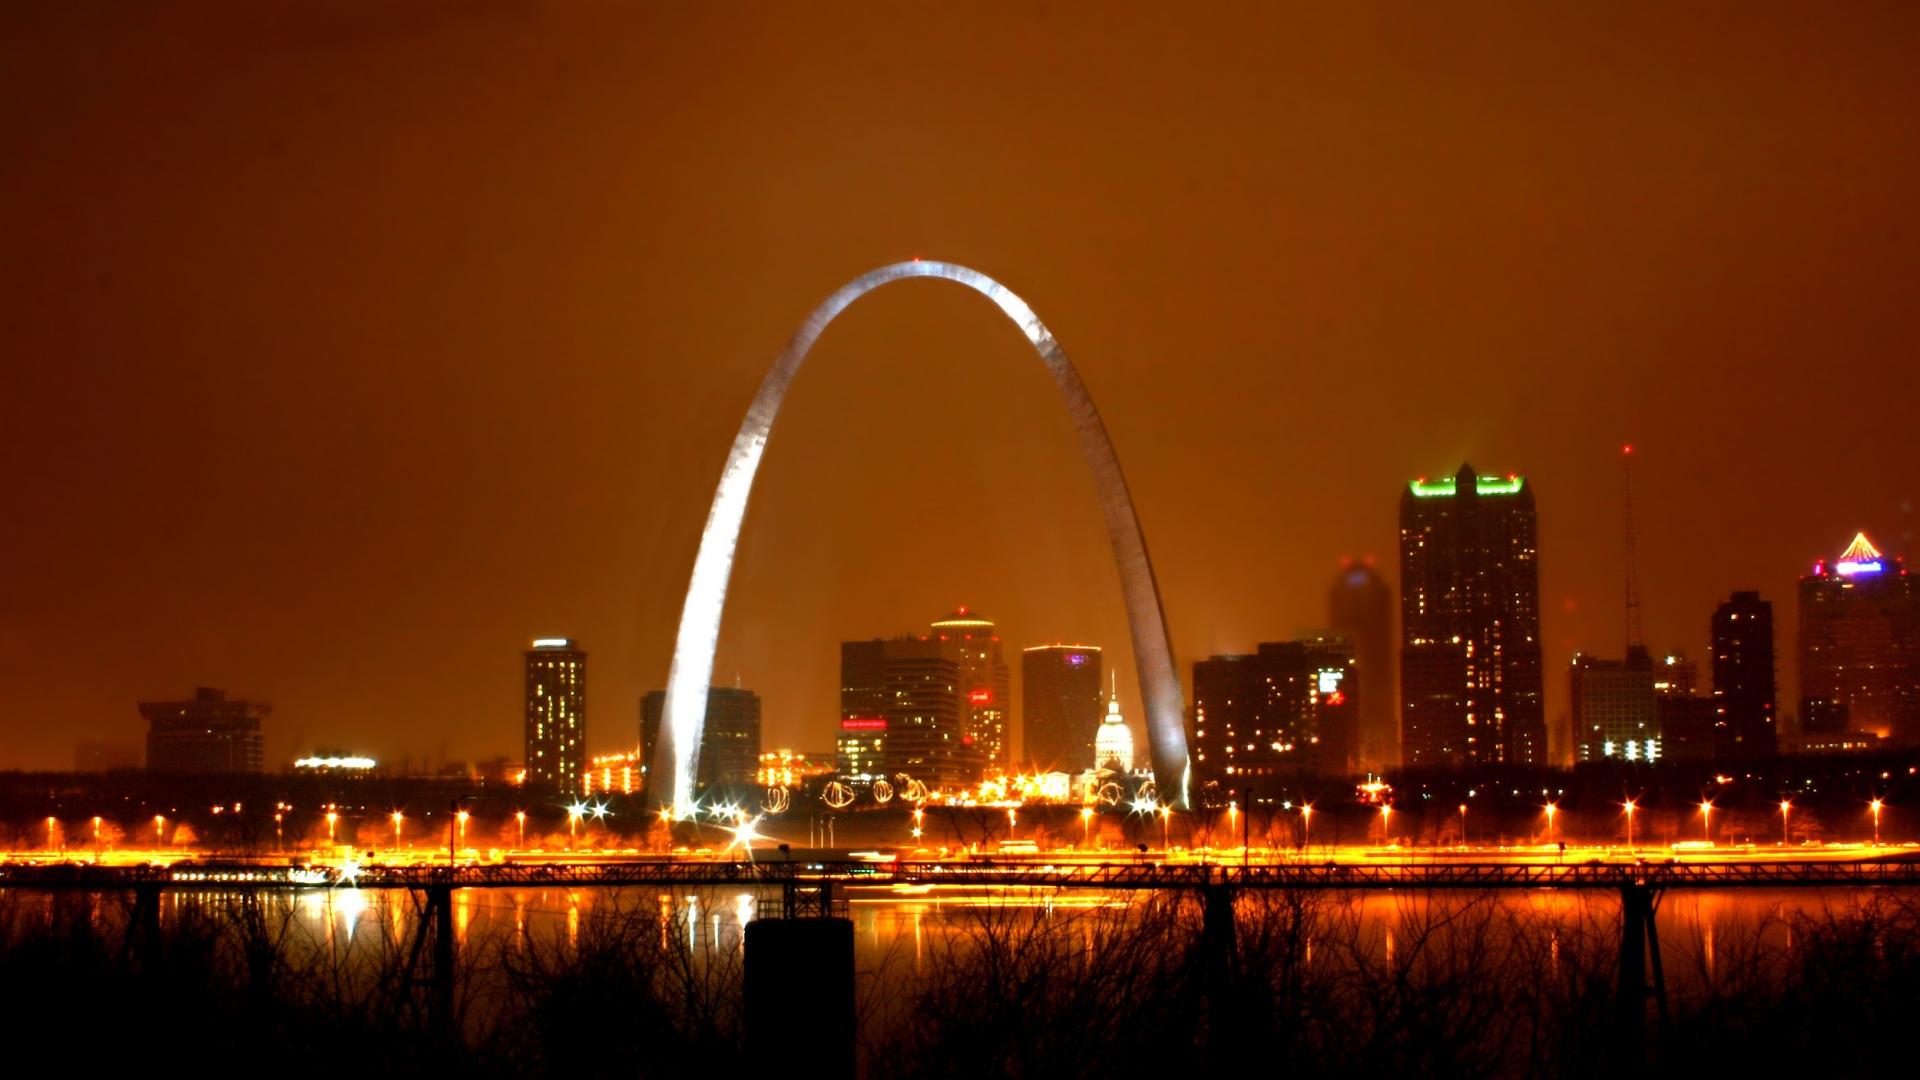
column 1903, row 871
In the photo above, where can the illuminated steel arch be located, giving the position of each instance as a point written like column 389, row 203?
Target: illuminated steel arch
column 693, row 654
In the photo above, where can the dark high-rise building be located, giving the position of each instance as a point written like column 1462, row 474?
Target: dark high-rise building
column 208, row 734
column 1470, row 687
column 901, row 712
column 729, row 742
column 1743, row 686
column 1060, row 706
column 985, row 686
column 1360, row 609
column 1615, row 711
column 1860, row 643
column 1282, row 713
column 556, row 717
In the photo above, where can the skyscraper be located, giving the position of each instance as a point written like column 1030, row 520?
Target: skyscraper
column 1615, row 712
column 556, row 716
column 208, row 734
column 901, row 712
column 1360, row 609
column 985, row 685
column 1278, row 715
column 1860, row 643
column 729, row 741
column 1743, row 686
column 1470, row 686
column 1060, row 706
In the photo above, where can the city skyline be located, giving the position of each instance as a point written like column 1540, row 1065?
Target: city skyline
column 1564, row 731
column 447, row 384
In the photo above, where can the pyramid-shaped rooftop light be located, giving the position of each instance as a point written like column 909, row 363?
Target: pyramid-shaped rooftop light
column 1859, row 558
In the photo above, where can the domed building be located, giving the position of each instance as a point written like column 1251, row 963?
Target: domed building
column 1113, row 746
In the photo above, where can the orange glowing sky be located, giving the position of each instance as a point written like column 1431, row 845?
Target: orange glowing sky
column 347, row 350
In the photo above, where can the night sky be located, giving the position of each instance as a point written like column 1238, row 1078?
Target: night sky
column 347, row 350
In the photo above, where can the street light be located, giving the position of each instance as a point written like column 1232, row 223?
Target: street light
column 1464, row 845
column 1306, row 827
column 520, row 819
column 398, row 817
column 159, row 829
column 1086, row 825
column 1874, row 806
column 574, row 813
column 96, row 830
column 332, row 816
column 1552, row 809
column 461, row 820
column 1166, row 827
column 1386, row 824
column 1786, row 815
column 1630, row 808
column 50, row 827
column 1706, row 820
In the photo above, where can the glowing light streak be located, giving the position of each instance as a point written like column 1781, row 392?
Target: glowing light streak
column 335, row 763
column 699, row 631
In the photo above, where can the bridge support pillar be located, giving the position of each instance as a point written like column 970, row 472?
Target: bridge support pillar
column 1639, row 943
column 143, row 931
column 799, row 995
column 1219, row 951
column 436, row 925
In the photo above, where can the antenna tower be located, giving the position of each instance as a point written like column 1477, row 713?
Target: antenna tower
column 1633, row 553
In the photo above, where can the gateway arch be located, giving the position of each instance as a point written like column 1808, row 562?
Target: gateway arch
column 685, row 710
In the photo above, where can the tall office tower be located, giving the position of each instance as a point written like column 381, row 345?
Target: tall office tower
column 556, row 719
column 1278, row 715
column 1470, row 687
column 1229, row 695
column 1743, row 686
column 1314, row 695
column 1360, row 609
column 985, row 685
column 729, row 741
column 916, row 727
column 1615, row 712
column 860, row 747
column 1060, row 706
column 1860, row 644
column 208, row 734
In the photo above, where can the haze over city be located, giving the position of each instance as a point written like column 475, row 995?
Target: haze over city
column 349, row 357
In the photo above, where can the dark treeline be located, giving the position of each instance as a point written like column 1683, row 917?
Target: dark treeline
column 1313, row 984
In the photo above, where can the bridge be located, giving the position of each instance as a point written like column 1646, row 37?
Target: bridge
column 1901, row 870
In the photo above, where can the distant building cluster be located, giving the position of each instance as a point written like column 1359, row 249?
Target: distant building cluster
column 1463, row 688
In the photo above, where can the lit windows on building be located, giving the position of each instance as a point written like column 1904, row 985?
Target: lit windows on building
column 1616, row 713
column 1860, row 646
column 1470, row 678
column 556, row 716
